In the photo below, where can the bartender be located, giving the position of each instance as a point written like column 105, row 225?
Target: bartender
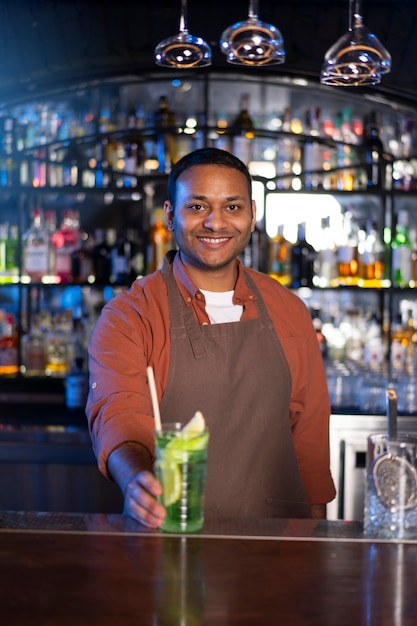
column 223, row 339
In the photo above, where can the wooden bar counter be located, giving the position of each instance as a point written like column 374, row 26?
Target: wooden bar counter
column 87, row 569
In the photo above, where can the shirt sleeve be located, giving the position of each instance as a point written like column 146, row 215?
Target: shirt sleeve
column 119, row 407
column 310, row 411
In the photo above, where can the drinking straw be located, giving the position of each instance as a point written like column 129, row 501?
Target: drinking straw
column 391, row 405
column 154, row 398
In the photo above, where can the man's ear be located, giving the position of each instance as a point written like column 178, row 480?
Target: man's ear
column 253, row 216
column 169, row 214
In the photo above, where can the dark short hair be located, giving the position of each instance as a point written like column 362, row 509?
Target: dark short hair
column 205, row 156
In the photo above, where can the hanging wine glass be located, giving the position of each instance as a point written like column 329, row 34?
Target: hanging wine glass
column 358, row 58
column 183, row 50
column 252, row 42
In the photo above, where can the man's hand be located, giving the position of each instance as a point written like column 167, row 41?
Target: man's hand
column 140, row 500
column 130, row 466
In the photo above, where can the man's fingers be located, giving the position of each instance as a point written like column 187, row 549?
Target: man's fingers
column 140, row 500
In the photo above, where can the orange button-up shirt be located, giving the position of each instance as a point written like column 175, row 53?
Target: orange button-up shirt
column 133, row 331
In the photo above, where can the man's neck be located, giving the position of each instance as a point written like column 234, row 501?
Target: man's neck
column 222, row 279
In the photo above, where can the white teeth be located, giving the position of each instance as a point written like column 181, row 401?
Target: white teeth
column 214, row 240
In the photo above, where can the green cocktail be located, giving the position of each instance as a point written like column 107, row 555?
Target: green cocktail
column 180, row 467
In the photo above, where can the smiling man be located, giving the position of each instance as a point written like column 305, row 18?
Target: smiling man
column 225, row 340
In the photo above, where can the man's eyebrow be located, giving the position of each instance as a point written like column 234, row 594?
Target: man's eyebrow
column 206, row 199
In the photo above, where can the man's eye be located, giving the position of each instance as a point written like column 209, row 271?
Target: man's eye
column 196, row 207
column 233, row 207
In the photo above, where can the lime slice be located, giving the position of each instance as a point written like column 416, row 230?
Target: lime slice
column 194, row 436
column 197, row 423
column 171, row 482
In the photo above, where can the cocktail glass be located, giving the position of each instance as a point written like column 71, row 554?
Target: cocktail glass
column 180, row 467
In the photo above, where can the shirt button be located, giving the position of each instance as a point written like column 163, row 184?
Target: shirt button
column 94, row 385
column 188, row 299
column 198, row 296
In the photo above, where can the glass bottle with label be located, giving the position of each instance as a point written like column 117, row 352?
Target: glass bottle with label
column 3, row 240
column 9, row 354
column 303, row 259
column 164, row 121
column 371, row 254
column 159, row 241
column 34, row 346
column 401, row 252
column 102, row 254
column 326, row 260
column 347, row 252
column 279, row 257
column 374, row 150
column 66, row 240
column 243, row 131
column 36, row 248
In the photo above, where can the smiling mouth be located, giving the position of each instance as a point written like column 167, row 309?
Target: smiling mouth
column 214, row 240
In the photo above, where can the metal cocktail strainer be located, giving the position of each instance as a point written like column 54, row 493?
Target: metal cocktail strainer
column 394, row 473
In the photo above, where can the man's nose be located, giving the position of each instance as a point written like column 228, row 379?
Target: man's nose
column 215, row 219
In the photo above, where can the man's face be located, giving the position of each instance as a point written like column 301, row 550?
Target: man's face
column 213, row 216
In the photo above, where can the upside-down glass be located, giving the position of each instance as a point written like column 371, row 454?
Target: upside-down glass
column 183, row 50
column 252, row 42
column 358, row 58
column 391, row 487
column 180, row 467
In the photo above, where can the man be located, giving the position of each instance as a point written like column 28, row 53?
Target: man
column 225, row 340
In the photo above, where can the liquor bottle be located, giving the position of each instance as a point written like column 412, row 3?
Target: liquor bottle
column 326, row 259
column 303, row 259
column 347, row 252
column 401, row 252
column 279, row 257
column 160, row 240
column 318, row 327
column 255, row 254
column 126, row 257
column 58, row 345
column 4, row 229
column 12, row 254
column 82, row 262
column 164, row 121
column 102, row 256
column 34, row 348
column 137, row 253
column 66, row 239
column 76, row 384
column 50, row 227
column 36, row 248
column 242, row 129
column 374, row 150
column 398, row 345
column 313, row 164
column 9, row 354
column 371, row 254
column 413, row 241
column 134, row 148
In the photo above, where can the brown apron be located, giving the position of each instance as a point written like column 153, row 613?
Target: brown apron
column 237, row 375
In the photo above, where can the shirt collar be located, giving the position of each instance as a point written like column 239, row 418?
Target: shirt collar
column 242, row 293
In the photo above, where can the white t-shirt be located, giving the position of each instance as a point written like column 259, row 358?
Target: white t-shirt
column 220, row 307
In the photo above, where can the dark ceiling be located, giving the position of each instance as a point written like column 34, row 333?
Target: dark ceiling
column 44, row 44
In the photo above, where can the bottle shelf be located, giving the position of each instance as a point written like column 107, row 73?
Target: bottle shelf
column 113, row 144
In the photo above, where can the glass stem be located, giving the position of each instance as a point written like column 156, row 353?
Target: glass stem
column 253, row 9
column 351, row 11
column 183, row 17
